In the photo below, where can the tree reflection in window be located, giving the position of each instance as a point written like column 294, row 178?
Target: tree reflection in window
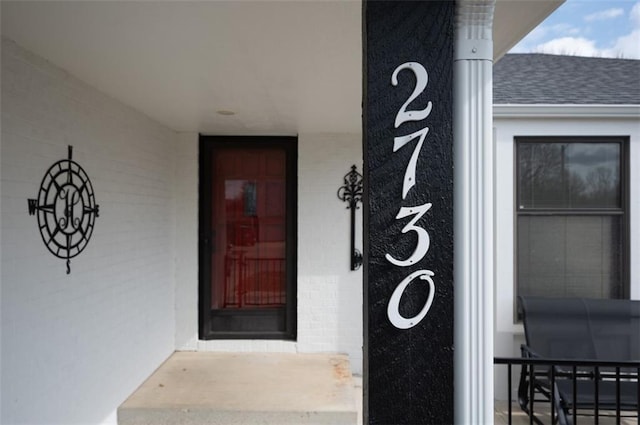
column 569, row 175
column 572, row 237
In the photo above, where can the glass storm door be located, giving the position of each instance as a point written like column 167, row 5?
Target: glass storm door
column 247, row 264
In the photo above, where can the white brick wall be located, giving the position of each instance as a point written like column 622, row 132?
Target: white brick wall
column 186, row 287
column 329, row 294
column 75, row 346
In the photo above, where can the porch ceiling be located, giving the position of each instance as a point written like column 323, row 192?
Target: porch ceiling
column 282, row 67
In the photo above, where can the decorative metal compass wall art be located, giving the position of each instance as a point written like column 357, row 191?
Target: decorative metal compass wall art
column 66, row 209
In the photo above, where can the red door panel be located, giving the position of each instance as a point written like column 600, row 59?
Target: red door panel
column 249, row 212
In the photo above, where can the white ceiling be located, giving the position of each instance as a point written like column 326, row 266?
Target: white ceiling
column 282, row 67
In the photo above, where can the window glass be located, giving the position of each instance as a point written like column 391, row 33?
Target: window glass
column 570, row 256
column 251, row 222
column 569, row 175
column 571, row 222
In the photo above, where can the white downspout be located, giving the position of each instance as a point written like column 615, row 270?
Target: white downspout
column 473, row 212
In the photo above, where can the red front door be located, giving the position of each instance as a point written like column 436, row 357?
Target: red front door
column 248, row 219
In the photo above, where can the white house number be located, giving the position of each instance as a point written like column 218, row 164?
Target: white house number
column 422, row 246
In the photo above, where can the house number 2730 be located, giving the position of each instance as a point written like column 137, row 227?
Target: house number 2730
column 416, row 212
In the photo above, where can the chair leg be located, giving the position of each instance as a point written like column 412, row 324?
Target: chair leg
column 523, row 390
column 562, row 411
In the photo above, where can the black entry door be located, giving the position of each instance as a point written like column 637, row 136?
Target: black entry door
column 247, row 237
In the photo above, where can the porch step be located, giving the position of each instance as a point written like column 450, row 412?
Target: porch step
column 195, row 388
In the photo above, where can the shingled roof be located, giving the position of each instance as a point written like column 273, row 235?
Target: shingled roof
column 552, row 79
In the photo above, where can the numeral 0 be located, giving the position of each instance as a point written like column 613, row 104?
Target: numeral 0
column 393, row 309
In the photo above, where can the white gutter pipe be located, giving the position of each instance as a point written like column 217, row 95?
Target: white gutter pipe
column 473, row 212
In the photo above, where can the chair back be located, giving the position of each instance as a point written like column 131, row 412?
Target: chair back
column 579, row 328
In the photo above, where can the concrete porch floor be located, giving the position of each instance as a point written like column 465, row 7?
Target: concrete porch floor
column 193, row 388
column 245, row 388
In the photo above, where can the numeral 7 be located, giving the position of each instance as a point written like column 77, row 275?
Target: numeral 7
column 410, row 173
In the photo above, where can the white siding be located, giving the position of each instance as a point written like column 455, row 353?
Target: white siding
column 75, row 346
column 509, row 335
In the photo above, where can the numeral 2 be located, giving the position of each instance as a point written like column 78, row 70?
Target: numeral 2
column 422, row 78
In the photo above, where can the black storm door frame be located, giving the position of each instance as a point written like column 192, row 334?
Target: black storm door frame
column 245, row 323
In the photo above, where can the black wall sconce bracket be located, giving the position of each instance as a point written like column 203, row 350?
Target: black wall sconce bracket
column 351, row 192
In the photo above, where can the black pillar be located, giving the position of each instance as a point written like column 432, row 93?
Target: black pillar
column 408, row 212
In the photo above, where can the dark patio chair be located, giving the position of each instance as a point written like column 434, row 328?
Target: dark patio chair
column 584, row 330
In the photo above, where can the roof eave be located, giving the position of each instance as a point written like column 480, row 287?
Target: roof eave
column 513, row 20
column 565, row 111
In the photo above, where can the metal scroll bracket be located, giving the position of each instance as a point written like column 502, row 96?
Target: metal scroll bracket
column 351, row 192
